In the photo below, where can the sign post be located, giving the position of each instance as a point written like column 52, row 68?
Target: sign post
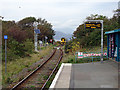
column 96, row 24
column 63, row 41
column 5, row 37
column 40, row 43
column 46, row 40
column 76, row 56
column 51, row 40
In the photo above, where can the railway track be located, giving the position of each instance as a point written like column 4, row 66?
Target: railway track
column 39, row 77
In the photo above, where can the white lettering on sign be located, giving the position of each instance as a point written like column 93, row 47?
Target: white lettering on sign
column 81, row 55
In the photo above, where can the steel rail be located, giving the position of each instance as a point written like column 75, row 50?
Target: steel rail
column 43, row 87
column 18, row 84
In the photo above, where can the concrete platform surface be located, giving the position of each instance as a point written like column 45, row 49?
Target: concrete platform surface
column 87, row 75
column 62, row 78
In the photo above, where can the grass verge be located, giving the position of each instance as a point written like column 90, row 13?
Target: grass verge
column 52, row 77
column 15, row 66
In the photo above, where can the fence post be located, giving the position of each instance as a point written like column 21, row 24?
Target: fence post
column 75, row 56
column 92, row 59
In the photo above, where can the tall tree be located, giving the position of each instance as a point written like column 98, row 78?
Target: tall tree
column 117, row 15
column 89, row 37
column 45, row 29
column 26, row 23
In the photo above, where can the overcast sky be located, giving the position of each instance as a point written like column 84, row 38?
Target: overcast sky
column 64, row 15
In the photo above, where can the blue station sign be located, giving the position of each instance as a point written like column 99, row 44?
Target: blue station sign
column 37, row 31
column 5, row 37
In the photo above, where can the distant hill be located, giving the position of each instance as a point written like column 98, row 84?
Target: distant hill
column 59, row 35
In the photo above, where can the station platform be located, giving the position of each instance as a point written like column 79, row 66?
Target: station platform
column 87, row 75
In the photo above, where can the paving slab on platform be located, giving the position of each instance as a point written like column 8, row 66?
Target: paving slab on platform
column 95, row 75
column 88, row 75
column 62, row 78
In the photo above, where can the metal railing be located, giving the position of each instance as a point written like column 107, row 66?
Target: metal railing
column 90, row 55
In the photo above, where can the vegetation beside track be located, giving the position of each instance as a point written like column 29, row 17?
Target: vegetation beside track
column 15, row 66
column 52, row 77
column 20, row 34
column 42, row 72
column 70, row 57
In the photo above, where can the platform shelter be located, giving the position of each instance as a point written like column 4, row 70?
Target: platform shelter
column 113, row 44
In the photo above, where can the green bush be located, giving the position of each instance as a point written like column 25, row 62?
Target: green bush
column 16, row 49
column 84, row 60
column 28, row 46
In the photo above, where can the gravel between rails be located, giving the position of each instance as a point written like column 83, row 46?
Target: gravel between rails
column 26, row 71
column 38, row 79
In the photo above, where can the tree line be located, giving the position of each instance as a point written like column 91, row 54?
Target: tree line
column 21, row 36
column 92, row 37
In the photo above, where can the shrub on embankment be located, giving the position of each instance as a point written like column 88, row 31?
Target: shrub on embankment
column 20, row 42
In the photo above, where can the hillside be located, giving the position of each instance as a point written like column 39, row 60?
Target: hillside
column 59, row 35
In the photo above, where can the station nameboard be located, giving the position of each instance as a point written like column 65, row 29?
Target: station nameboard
column 93, row 25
